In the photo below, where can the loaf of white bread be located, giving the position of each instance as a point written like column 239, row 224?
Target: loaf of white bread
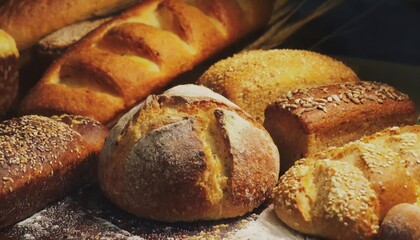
column 44, row 159
column 256, row 78
column 345, row 192
column 139, row 52
column 188, row 154
column 304, row 122
column 27, row 21
column 8, row 72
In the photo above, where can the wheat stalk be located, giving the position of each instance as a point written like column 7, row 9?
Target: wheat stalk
column 280, row 26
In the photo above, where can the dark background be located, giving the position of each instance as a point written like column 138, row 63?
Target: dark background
column 386, row 30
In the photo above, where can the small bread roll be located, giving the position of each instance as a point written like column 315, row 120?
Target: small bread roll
column 8, row 72
column 256, row 78
column 188, row 154
column 402, row 222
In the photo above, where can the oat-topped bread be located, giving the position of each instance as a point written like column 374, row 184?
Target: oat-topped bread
column 139, row 52
column 256, row 78
column 44, row 159
column 8, row 72
column 303, row 122
column 345, row 192
column 188, row 154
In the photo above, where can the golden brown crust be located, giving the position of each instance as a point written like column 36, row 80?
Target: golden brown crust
column 205, row 159
column 8, row 72
column 345, row 192
column 256, row 78
column 332, row 115
column 30, row 20
column 139, row 52
column 401, row 222
column 42, row 160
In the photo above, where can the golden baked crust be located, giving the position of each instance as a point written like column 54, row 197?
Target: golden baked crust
column 8, row 72
column 187, row 157
column 256, row 78
column 401, row 222
column 43, row 159
column 30, row 20
column 139, row 52
column 305, row 121
column 345, row 192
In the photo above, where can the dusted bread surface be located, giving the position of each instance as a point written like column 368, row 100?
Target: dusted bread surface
column 256, row 78
column 345, row 192
column 183, row 157
column 401, row 222
column 304, row 122
column 43, row 160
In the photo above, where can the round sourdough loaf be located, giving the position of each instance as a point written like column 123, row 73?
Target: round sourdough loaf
column 8, row 72
column 256, row 78
column 188, row 154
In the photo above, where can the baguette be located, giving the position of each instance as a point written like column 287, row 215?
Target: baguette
column 304, row 122
column 139, row 52
column 27, row 21
column 345, row 192
column 188, row 154
column 8, row 72
column 43, row 159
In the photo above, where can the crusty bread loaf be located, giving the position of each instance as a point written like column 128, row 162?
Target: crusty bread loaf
column 345, row 192
column 401, row 222
column 140, row 51
column 55, row 44
column 188, row 154
column 8, row 72
column 305, row 122
column 43, row 159
column 256, row 78
column 27, row 21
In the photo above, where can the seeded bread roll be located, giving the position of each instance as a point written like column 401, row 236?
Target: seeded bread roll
column 188, row 154
column 256, row 78
column 305, row 122
column 42, row 160
column 139, row 52
column 345, row 192
column 8, row 72
column 401, row 222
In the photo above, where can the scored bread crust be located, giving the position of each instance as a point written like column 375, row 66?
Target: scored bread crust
column 188, row 157
column 8, row 72
column 139, row 52
column 345, row 192
column 43, row 160
column 256, row 78
column 27, row 21
column 305, row 121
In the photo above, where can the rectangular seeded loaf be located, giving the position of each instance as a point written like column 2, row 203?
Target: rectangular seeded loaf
column 304, row 122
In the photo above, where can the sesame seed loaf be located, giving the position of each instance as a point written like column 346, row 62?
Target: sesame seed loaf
column 140, row 52
column 8, row 72
column 256, row 78
column 401, row 222
column 188, row 154
column 345, row 192
column 44, row 159
column 305, row 121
